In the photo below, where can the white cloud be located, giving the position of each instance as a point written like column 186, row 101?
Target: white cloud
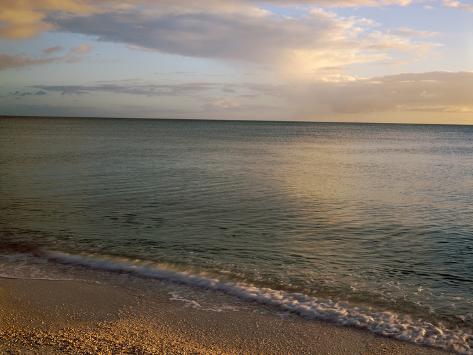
column 458, row 5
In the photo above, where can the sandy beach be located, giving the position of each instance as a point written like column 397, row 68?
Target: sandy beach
column 41, row 316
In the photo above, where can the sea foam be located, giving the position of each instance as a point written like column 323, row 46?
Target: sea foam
column 385, row 323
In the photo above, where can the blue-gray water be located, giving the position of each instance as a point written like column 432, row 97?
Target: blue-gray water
column 378, row 215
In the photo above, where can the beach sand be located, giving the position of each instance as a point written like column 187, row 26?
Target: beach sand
column 52, row 317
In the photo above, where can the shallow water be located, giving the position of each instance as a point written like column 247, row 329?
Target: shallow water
column 375, row 215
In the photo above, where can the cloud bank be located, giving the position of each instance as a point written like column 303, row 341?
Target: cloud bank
column 245, row 31
column 443, row 92
column 435, row 92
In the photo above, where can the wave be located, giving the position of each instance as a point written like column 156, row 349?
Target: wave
column 389, row 324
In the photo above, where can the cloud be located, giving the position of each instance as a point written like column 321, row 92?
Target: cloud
column 51, row 50
column 77, row 54
column 234, row 30
column 149, row 90
column 436, row 92
column 82, row 49
column 300, row 46
column 27, row 93
column 346, row 3
column 18, row 61
column 212, row 91
column 412, row 33
column 74, row 55
column 224, row 103
column 27, row 18
column 458, row 5
column 205, row 35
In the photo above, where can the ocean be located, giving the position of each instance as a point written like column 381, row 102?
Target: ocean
column 364, row 225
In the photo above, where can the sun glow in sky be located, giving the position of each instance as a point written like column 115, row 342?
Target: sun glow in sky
column 320, row 60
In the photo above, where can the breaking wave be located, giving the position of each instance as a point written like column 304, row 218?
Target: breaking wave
column 385, row 323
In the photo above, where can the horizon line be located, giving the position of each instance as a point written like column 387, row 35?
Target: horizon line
column 236, row 120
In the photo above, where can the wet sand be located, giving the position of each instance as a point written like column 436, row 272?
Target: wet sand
column 56, row 317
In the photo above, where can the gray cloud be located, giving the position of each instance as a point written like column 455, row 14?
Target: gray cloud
column 204, row 35
column 187, row 89
column 190, row 89
column 307, row 43
column 27, row 93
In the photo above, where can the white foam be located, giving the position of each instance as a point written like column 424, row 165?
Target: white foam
column 196, row 305
column 388, row 324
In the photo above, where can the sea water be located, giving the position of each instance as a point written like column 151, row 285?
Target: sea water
column 365, row 225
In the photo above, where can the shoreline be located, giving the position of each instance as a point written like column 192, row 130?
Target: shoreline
column 150, row 316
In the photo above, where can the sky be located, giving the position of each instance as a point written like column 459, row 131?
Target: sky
column 406, row 61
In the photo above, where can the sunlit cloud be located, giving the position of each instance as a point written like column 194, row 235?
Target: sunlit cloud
column 346, row 3
column 53, row 49
column 461, row 5
column 82, row 49
column 27, row 18
column 75, row 54
column 427, row 92
column 18, row 61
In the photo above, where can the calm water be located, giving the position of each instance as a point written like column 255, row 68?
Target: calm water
column 370, row 214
